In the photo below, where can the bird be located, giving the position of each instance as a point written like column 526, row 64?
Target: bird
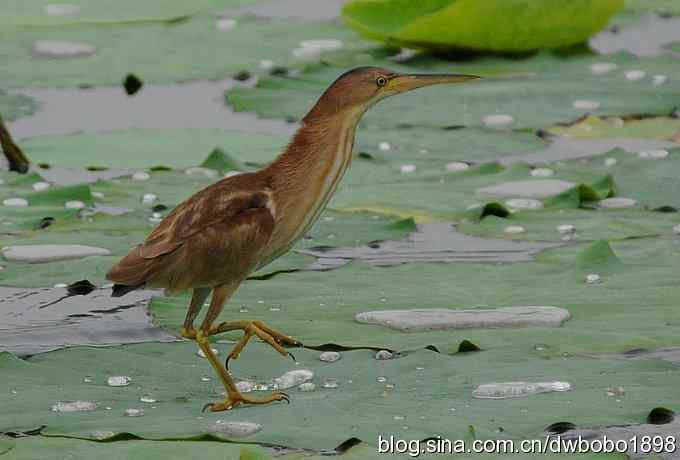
column 211, row 242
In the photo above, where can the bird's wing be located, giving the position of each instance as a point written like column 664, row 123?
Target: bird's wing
column 211, row 206
column 224, row 220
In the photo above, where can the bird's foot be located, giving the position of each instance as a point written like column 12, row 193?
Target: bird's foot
column 236, row 399
column 254, row 327
column 188, row 333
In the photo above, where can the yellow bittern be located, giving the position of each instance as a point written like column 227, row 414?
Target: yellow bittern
column 223, row 233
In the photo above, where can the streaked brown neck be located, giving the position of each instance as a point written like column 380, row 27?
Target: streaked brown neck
column 308, row 172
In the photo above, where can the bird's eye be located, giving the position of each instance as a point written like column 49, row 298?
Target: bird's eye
column 381, row 81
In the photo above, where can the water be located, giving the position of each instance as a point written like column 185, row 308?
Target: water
column 293, row 378
column 508, row 390
column 383, row 355
column 235, row 429
column 118, row 381
column 330, row 383
column 435, row 242
column 329, row 356
column 245, row 386
column 593, row 278
column 74, row 406
column 307, row 386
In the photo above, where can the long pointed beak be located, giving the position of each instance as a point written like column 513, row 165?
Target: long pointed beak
column 408, row 82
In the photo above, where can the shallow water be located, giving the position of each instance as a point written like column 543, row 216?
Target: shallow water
column 39, row 320
column 198, row 104
column 438, row 242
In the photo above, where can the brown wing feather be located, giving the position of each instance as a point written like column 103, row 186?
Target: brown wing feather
column 210, row 237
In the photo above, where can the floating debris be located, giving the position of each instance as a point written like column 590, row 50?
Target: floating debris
column 514, row 229
column 225, row 24
column 74, row 204
column 676, row 229
column 593, row 278
column 383, row 355
column 421, row 320
column 617, row 203
column 118, row 381
column 293, row 378
column 601, row 68
column 235, row 429
column 147, row 399
column 40, row 186
column 133, row 412
column 497, row 120
column 15, row 202
column 141, row 175
column 62, row 9
column 635, row 75
column 610, row 161
column 329, row 356
column 408, row 168
column 508, row 390
column 616, row 391
column 98, row 195
column 566, row 229
column 74, row 406
column 62, row 49
column 40, row 253
column 330, row 383
column 659, row 154
column 542, row 172
column 584, row 104
column 307, row 386
column 456, row 166
column 524, row 203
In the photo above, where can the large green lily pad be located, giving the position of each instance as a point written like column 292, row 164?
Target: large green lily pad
column 427, row 386
column 138, row 149
column 487, row 25
column 188, row 50
column 551, row 82
column 627, row 310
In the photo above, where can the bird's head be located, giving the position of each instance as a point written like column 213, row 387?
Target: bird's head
column 359, row 89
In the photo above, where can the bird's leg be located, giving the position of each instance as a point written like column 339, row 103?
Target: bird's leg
column 254, row 327
column 234, row 397
column 197, row 299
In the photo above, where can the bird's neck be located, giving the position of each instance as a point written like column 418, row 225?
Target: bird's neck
column 308, row 172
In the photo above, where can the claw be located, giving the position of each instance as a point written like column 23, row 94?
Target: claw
column 226, row 362
column 285, row 397
column 292, row 356
column 206, row 406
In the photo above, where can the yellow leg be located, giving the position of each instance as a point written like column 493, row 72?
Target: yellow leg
column 234, row 397
column 254, row 327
